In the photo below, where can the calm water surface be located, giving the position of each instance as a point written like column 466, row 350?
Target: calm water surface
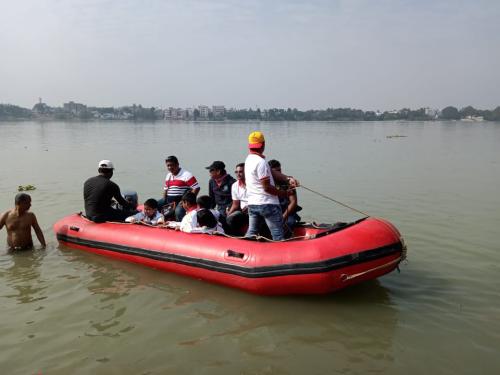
column 65, row 311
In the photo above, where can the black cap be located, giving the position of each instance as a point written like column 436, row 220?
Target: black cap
column 219, row 165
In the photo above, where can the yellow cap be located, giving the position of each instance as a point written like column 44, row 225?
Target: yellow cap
column 256, row 140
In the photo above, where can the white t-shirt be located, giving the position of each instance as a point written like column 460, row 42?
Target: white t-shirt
column 141, row 216
column 189, row 224
column 256, row 169
column 239, row 193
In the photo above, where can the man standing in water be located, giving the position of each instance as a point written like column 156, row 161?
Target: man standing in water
column 18, row 223
column 98, row 193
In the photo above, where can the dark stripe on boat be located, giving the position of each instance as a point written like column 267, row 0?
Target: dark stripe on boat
column 253, row 272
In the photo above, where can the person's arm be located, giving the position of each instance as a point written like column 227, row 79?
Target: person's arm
column 3, row 219
column 270, row 189
column 292, row 205
column 135, row 218
column 196, row 191
column 38, row 231
column 283, row 178
column 160, row 220
column 211, row 192
column 194, row 185
column 235, row 206
column 117, row 195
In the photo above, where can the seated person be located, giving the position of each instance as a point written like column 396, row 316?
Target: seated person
column 207, row 222
column 289, row 205
column 177, row 182
column 237, row 214
column 219, row 187
column 189, row 221
column 149, row 214
column 204, row 201
column 99, row 193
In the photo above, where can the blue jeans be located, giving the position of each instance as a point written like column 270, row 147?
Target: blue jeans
column 272, row 215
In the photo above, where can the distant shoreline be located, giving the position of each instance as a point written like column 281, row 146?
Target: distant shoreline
column 80, row 112
column 75, row 120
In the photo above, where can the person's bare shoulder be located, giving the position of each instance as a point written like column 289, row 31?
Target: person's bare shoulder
column 31, row 216
column 3, row 218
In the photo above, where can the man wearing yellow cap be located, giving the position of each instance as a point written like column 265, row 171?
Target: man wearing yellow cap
column 263, row 202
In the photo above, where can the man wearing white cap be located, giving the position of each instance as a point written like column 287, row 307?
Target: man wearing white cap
column 98, row 193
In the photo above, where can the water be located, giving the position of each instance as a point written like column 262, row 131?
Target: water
column 65, row 311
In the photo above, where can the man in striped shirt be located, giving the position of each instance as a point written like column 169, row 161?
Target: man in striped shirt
column 177, row 183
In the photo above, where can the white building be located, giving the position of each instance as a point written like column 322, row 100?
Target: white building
column 218, row 111
column 204, row 111
column 431, row 112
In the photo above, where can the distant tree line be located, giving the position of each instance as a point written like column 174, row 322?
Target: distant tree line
column 452, row 113
column 350, row 114
column 13, row 112
column 139, row 113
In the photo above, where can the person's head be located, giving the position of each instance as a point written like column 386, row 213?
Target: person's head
column 217, row 169
column 22, row 201
column 275, row 165
column 240, row 172
column 188, row 200
column 206, row 218
column 204, row 201
column 150, row 207
column 256, row 141
column 106, row 168
column 172, row 164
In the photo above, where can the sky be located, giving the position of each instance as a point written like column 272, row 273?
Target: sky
column 367, row 54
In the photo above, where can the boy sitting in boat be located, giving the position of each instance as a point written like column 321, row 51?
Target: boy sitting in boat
column 191, row 221
column 149, row 215
column 206, row 202
column 207, row 222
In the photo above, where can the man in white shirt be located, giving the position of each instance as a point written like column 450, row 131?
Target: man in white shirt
column 237, row 214
column 263, row 202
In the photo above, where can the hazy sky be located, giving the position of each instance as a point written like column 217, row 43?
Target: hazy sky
column 368, row 54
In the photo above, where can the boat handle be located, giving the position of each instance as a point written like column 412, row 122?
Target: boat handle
column 235, row 254
column 76, row 229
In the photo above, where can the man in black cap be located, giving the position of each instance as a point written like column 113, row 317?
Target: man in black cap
column 98, row 194
column 219, row 187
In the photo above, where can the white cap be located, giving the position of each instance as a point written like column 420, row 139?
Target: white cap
column 106, row 164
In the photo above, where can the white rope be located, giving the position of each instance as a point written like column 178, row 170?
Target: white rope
column 344, row 277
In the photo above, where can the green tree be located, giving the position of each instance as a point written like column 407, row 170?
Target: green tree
column 450, row 113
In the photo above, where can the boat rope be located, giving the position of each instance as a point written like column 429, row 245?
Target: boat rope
column 344, row 277
column 333, row 200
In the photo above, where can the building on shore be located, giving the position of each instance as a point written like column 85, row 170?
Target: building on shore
column 431, row 112
column 74, row 108
column 218, row 111
column 204, row 111
column 175, row 114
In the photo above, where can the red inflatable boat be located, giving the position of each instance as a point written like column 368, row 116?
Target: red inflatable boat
column 317, row 260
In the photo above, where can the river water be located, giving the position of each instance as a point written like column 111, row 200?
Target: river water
column 65, row 311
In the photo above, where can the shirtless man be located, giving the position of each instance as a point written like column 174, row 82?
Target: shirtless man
column 18, row 223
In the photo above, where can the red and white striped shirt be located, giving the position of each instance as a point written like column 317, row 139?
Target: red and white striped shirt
column 179, row 184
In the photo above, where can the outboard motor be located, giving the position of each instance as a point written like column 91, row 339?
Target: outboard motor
column 131, row 197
